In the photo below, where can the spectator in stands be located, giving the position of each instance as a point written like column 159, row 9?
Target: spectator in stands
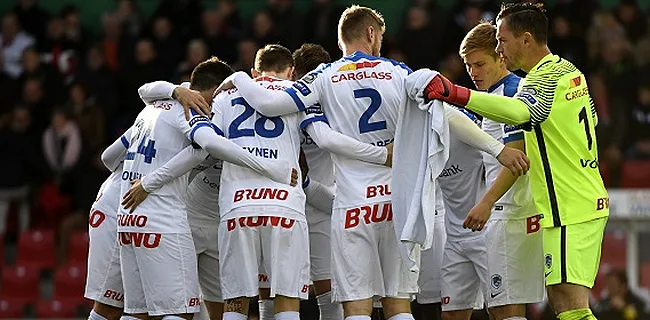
column 246, row 50
column 263, row 30
column 287, row 23
column 39, row 105
column 130, row 17
column 99, row 80
column 8, row 84
column 168, row 45
column 566, row 43
column 88, row 117
column 32, row 18
column 321, row 22
column 620, row 303
column 220, row 38
column 33, row 67
column 197, row 51
column 77, row 36
column 13, row 41
column 632, row 19
column 579, row 13
column 418, row 26
column 110, row 41
column 62, row 147
column 145, row 70
column 185, row 15
column 230, row 13
column 57, row 50
column 21, row 170
column 460, row 24
column 640, row 125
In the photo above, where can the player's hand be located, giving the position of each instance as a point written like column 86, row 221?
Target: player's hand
column 478, row 216
column 191, row 99
column 389, row 157
column 134, row 196
column 294, row 177
column 515, row 160
column 442, row 89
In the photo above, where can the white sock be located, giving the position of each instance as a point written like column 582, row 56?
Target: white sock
column 329, row 310
column 515, row 318
column 266, row 309
column 287, row 315
column 95, row 316
column 172, row 317
column 128, row 317
column 234, row 316
column 402, row 316
column 357, row 318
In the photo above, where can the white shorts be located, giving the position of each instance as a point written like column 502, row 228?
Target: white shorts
column 464, row 274
column 104, row 277
column 365, row 256
column 250, row 244
column 320, row 245
column 206, row 243
column 431, row 264
column 159, row 273
column 515, row 263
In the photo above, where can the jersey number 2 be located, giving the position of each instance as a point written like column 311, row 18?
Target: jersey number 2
column 582, row 116
column 260, row 129
column 375, row 102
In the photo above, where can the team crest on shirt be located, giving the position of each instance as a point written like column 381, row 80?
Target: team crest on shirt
column 309, row 78
column 548, row 260
column 496, row 281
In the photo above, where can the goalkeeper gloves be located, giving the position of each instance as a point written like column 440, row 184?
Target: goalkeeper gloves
column 442, row 89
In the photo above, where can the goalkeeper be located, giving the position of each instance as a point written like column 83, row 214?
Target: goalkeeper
column 555, row 105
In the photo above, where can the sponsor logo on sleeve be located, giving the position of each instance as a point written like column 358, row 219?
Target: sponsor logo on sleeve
column 301, row 87
column 528, row 95
column 575, row 82
column 198, row 119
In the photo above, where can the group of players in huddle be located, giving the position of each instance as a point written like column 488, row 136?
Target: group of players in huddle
column 232, row 187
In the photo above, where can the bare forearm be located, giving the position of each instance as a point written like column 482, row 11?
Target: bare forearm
column 501, row 185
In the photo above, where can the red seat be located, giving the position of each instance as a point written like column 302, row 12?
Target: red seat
column 36, row 248
column 644, row 271
column 614, row 250
column 78, row 247
column 69, row 281
column 635, row 174
column 56, row 308
column 20, row 282
column 12, row 308
column 604, row 172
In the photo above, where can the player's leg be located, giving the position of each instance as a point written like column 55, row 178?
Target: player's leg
column 239, row 257
column 515, row 266
column 206, row 243
column 355, row 266
column 172, row 257
column 320, row 249
column 265, row 302
column 285, row 249
column 429, row 280
column 104, row 277
column 135, row 304
column 572, row 256
column 460, row 286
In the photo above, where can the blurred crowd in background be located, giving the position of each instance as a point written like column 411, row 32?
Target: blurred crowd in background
column 67, row 92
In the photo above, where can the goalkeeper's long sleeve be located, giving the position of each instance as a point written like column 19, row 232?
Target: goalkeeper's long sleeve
column 499, row 108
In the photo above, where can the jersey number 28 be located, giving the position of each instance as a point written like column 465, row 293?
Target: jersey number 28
column 234, row 130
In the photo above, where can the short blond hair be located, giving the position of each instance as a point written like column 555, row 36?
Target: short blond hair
column 356, row 19
column 482, row 37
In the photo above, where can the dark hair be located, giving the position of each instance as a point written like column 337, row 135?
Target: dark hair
column 273, row 57
column 308, row 57
column 526, row 17
column 209, row 74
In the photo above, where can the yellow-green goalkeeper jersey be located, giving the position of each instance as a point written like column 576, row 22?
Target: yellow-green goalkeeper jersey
column 562, row 146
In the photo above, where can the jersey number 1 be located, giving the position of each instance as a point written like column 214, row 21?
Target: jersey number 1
column 375, row 102
column 582, row 116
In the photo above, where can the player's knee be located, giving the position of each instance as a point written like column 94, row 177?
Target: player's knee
column 106, row 311
column 284, row 303
column 457, row 315
column 322, row 287
column 508, row 311
column 357, row 308
column 215, row 309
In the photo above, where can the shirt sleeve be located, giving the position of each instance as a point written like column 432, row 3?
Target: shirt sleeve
column 270, row 103
column 180, row 164
column 340, row 144
column 468, row 132
column 114, row 154
column 306, row 91
column 197, row 121
column 319, row 195
column 538, row 93
column 157, row 90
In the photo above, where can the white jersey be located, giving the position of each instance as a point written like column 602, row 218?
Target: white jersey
column 108, row 197
column 275, row 138
column 360, row 97
column 321, row 168
column 462, row 186
column 516, row 203
column 159, row 133
column 202, row 197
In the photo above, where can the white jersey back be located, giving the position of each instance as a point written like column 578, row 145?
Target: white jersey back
column 274, row 138
column 360, row 96
column 108, row 196
column 202, row 197
column 159, row 133
column 516, row 203
column 462, row 186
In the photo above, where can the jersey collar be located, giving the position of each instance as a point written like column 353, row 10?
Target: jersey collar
column 500, row 82
column 547, row 58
